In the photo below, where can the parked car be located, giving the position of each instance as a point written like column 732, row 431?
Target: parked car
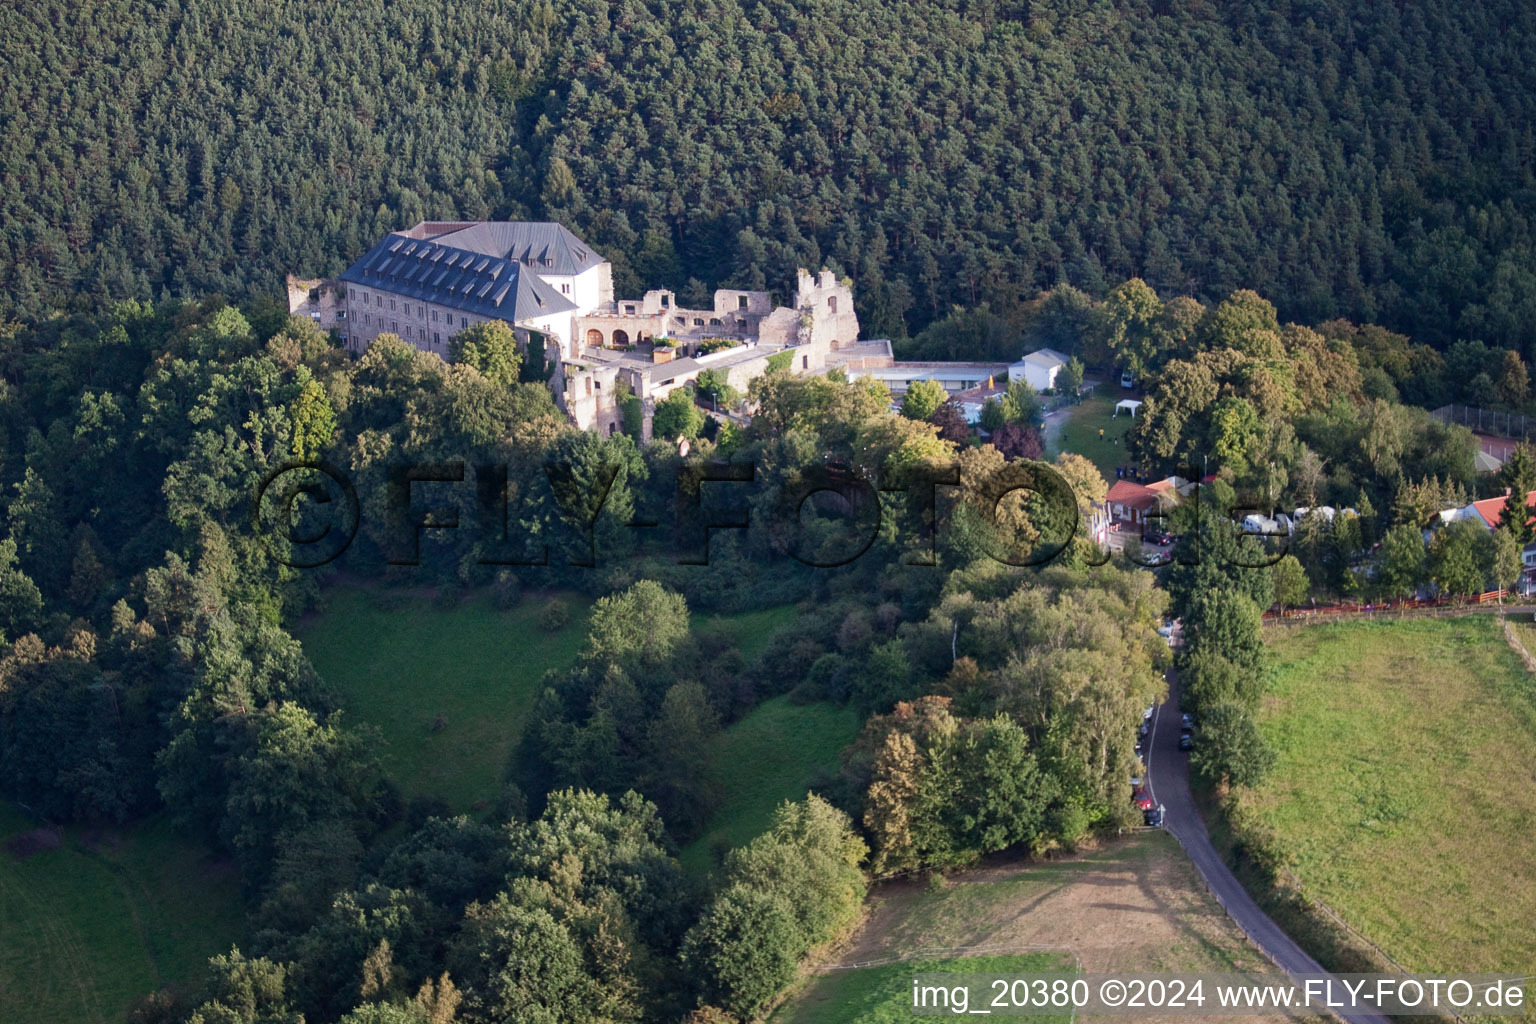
column 1186, row 721
column 1165, row 631
column 1141, row 798
column 1153, row 816
column 1146, row 727
column 1127, row 380
column 1186, row 741
column 1147, row 714
column 1155, row 536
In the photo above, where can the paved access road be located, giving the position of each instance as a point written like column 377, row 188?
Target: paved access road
column 1168, row 775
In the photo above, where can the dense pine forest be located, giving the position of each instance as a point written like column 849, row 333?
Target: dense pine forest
column 1372, row 161
column 1298, row 225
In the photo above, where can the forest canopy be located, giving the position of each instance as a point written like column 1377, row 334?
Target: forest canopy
column 1361, row 160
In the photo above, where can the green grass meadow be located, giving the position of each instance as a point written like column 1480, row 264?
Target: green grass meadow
column 1405, row 788
column 1080, row 431
column 398, row 661
column 883, row 995
column 1134, row 905
column 771, row 755
column 750, row 630
column 88, row 928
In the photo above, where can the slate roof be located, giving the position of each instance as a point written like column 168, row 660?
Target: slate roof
column 458, row 277
column 543, row 246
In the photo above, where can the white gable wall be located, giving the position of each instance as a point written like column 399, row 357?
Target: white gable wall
column 1038, row 377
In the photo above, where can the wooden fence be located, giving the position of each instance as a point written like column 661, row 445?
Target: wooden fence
column 1519, row 648
column 1438, row 608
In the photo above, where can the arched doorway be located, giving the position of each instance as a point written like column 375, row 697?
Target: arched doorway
column 595, row 338
column 620, row 338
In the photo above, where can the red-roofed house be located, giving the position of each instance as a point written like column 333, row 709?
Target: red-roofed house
column 1130, row 502
column 1491, row 510
column 1489, row 514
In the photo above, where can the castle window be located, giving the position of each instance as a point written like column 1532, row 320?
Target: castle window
column 698, row 321
column 629, row 310
column 714, row 321
column 437, row 339
column 565, row 289
column 832, row 304
column 463, row 321
column 421, row 311
column 391, row 305
column 741, row 302
column 394, row 325
column 434, row 316
column 666, row 300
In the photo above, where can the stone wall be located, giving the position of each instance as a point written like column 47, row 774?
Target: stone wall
column 320, row 300
column 827, row 319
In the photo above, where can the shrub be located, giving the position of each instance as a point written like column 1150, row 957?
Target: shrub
column 506, row 591
column 554, row 616
column 634, row 416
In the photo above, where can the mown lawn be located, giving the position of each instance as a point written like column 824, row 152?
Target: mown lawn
column 1405, row 787
column 773, row 754
column 883, row 995
column 106, row 918
column 1136, row 905
column 1079, row 434
column 398, row 661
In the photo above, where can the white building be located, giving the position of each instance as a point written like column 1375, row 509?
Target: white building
column 1038, row 369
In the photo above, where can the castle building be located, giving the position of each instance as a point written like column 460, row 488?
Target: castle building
column 428, row 282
